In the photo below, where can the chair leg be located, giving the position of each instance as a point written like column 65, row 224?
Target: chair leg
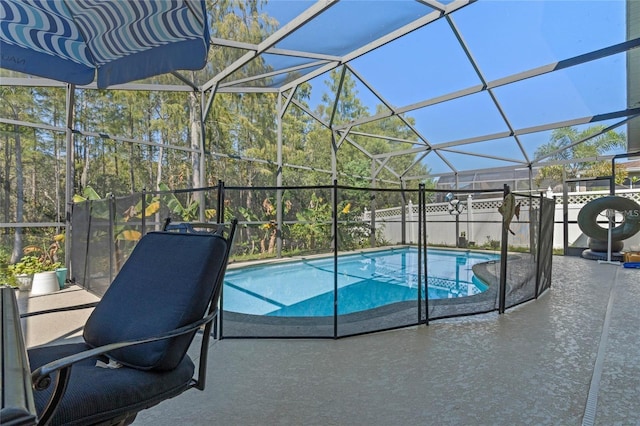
column 129, row 420
column 124, row 420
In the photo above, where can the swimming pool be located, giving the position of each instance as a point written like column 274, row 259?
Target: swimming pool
column 366, row 280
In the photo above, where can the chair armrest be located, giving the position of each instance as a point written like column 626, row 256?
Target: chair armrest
column 16, row 396
column 62, row 309
column 41, row 377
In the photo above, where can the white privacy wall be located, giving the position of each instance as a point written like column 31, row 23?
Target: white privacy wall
column 482, row 222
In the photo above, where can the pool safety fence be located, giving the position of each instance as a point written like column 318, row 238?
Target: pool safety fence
column 281, row 225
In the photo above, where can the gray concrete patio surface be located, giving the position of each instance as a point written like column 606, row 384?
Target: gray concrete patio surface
column 569, row 358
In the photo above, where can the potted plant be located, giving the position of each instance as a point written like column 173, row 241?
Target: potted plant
column 45, row 279
column 22, row 272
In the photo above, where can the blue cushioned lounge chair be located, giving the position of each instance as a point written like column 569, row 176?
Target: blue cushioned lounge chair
column 166, row 292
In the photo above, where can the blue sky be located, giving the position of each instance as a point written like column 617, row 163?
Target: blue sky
column 505, row 37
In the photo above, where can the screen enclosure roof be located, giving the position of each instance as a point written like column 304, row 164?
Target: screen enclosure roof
column 477, row 84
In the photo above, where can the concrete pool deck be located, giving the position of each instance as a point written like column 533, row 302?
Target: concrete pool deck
column 572, row 352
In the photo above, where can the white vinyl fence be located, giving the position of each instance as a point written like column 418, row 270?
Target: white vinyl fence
column 480, row 221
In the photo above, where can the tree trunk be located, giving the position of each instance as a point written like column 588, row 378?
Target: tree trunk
column 132, row 178
column 194, row 121
column 56, row 153
column 6, row 182
column 17, row 235
column 196, row 157
column 84, row 177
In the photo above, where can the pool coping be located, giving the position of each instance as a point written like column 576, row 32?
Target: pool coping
column 258, row 262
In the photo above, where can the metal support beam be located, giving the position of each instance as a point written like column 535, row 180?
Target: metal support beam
column 334, row 157
column 502, row 299
column 372, row 232
column 482, row 78
column 69, row 173
column 270, row 41
column 279, row 208
column 202, row 155
column 633, row 74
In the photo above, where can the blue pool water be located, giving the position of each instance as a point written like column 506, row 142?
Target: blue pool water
column 365, row 281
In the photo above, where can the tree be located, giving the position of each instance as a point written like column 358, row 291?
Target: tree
column 14, row 101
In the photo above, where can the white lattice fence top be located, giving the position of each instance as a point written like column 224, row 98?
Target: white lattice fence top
column 494, row 203
column 585, row 197
column 487, row 204
column 434, row 208
column 387, row 213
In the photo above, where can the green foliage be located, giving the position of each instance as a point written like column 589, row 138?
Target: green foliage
column 267, row 232
column 492, row 244
column 564, row 146
column 313, row 229
column 28, row 265
column 188, row 212
column 46, row 256
column 5, row 275
column 88, row 193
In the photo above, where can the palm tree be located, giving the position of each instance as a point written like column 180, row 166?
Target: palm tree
column 568, row 143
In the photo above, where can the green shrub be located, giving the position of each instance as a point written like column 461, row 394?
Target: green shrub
column 30, row 265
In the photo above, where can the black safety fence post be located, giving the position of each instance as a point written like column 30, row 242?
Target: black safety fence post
column 565, row 214
column 420, row 208
column 503, row 256
column 220, row 209
column 612, row 182
column 335, row 258
column 403, row 215
column 217, row 331
column 424, row 257
column 112, row 240
column 217, row 325
column 143, row 204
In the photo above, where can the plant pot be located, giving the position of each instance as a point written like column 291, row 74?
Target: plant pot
column 45, row 283
column 62, row 276
column 24, row 282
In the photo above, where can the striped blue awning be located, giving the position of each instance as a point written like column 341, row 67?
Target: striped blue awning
column 121, row 40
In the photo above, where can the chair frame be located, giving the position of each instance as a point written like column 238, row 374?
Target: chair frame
column 41, row 377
